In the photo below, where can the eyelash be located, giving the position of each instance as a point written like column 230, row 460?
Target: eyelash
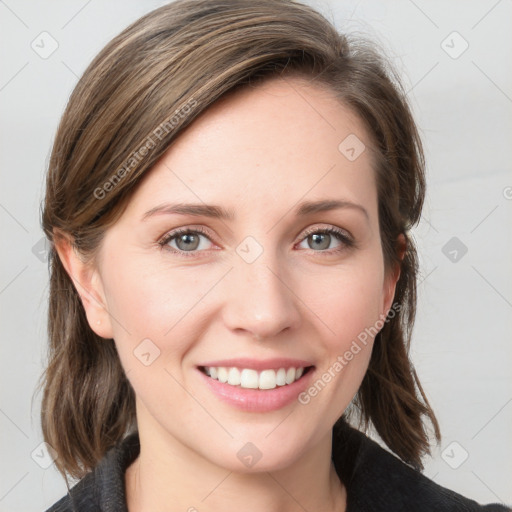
column 338, row 233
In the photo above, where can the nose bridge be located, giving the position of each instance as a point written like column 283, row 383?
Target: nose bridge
column 260, row 299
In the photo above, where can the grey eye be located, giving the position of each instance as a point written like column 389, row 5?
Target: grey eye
column 319, row 241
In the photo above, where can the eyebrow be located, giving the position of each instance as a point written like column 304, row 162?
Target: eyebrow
column 218, row 212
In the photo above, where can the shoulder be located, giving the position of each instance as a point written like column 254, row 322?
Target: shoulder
column 103, row 489
column 376, row 480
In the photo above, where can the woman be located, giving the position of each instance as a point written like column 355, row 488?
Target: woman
column 232, row 278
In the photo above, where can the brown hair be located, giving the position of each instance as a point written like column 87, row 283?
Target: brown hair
column 142, row 89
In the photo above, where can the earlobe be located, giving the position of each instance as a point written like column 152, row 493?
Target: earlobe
column 88, row 284
column 392, row 280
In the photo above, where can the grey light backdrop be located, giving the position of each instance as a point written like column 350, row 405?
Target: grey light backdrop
column 455, row 59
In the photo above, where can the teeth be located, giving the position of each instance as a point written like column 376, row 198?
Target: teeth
column 234, row 377
column 222, row 374
column 268, row 379
column 281, row 377
column 251, row 379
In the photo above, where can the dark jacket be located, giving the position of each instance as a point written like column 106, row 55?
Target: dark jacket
column 375, row 481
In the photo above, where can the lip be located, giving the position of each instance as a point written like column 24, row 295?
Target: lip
column 259, row 365
column 257, row 400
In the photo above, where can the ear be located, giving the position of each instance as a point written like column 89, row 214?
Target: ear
column 88, row 283
column 393, row 277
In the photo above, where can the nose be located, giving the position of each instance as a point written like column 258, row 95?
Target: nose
column 261, row 300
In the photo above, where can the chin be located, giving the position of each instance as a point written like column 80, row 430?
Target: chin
column 260, row 454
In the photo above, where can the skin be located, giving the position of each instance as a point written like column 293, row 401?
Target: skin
column 258, row 152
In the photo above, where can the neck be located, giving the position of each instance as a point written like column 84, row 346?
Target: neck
column 170, row 476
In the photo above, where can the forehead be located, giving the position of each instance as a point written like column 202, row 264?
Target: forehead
column 277, row 142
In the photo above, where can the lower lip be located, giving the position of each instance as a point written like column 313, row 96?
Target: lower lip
column 258, row 400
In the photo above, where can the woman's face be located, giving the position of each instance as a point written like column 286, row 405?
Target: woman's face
column 260, row 289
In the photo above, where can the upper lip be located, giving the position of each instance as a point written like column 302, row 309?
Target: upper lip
column 259, row 364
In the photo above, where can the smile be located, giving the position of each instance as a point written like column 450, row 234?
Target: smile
column 249, row 378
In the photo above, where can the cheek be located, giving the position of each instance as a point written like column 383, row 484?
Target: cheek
column 158, row 303
column 351, row 311
column 348, row 302
column 137, row 293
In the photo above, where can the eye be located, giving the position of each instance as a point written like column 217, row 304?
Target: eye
column 185, row 241
column 321, row 239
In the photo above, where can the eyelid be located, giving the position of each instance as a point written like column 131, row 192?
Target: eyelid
column 346, row 239
column 326, row 228
column 342, row 235
column 169, row 235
